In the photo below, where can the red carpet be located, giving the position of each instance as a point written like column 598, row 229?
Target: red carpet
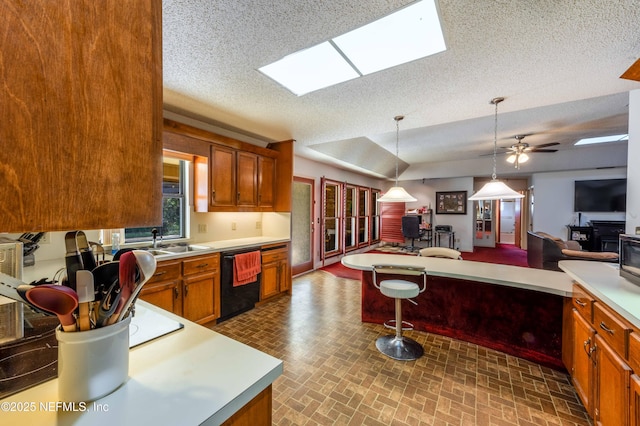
column 505, row 254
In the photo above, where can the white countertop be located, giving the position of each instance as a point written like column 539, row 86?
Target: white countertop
column 603, row 280
column 553, row 282
column 189, row 377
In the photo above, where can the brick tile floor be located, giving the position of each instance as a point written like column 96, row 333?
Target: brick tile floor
column 334, row 375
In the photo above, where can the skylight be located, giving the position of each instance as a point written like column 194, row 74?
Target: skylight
column 411, row 33
column 602, row 139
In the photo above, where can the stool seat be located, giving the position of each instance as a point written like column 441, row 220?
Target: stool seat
column 399, row 289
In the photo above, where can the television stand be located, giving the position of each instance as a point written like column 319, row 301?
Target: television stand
column 583, row 235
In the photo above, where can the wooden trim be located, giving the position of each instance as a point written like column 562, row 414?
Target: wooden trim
column 171, row 126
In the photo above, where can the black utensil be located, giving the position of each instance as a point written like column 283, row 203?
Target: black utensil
column 73, row 259
column 86, row 253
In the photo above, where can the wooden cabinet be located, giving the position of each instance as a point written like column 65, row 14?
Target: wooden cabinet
column 266, row 181
column 276, row 271
column 612, row 386
column 201, row 288
column 634, row 418
column 231, row 175
column 600, row 372
column 246, row 179
column 582, row 370
column 164, row 289
column 188, row 287
column 80, row 105
column 222, row 165
column 634, row 380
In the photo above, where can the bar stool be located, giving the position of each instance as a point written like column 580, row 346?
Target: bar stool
column 397, row 346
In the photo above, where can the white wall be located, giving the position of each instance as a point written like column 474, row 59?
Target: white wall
column 553, row 199
column 425, row 191
column 633, row 173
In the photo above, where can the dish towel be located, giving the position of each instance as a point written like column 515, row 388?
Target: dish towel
column 245, row 268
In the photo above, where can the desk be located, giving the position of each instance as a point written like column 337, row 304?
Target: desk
column 451, row 235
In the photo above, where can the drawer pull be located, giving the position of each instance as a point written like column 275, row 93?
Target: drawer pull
column 160, row 273
column 605, row 328
column 581, row 303
column 202, row 265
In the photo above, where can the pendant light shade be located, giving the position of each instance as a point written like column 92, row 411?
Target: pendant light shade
column 397, row 194
column 495, row 189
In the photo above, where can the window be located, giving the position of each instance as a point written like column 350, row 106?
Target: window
column 174, row 204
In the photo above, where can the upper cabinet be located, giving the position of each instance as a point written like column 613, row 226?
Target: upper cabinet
column 231, row 175
column 81, row 108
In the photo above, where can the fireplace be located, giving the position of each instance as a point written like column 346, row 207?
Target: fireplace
column 606, row 234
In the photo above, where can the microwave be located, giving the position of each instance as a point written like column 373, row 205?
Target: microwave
column 630, row 258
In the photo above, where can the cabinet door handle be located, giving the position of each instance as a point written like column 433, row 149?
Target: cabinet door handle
column 588, row 351
column 238, row 197
column 605, row 328
column 581, row 303
column 213, row 195
column 186, row 290
column 176, row 293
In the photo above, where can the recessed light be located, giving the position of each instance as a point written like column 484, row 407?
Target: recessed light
column 602, row 139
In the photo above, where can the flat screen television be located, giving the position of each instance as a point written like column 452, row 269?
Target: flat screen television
column 604, row 195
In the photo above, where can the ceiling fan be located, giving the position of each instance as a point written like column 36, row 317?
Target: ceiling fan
column 518, row 152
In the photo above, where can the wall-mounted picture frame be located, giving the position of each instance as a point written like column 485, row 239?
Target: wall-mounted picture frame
column 451, row 202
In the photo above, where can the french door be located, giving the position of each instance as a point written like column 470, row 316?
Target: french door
column 302, row 225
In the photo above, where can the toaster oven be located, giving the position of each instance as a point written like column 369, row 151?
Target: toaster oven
column 11, row 312
column 630, row 258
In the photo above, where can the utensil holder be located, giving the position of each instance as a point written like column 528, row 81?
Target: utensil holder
column 94, row 363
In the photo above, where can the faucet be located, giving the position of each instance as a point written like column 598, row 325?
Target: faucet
column 154, row 232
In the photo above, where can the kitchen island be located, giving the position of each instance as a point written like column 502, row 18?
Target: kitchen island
column 188, row 377
column 512, row 309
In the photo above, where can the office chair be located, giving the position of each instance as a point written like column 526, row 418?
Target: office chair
column 411, row 229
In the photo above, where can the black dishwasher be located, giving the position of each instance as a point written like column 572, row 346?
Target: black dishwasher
column 236, row 300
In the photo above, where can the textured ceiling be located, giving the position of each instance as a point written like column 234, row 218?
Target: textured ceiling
column 557, row 63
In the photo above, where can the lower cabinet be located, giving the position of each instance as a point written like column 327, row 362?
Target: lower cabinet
column 612, row 384
column 582, row 370
column 276, row 271
column 634, row 396
column 601, row 370
column 188, row 287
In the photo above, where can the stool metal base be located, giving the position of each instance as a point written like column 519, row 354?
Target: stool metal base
column 400, row 348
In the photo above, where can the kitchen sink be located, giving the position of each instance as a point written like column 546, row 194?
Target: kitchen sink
column 163, row 250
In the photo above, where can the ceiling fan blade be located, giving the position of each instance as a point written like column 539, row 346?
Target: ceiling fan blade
column 544, row 145
column 543, row 150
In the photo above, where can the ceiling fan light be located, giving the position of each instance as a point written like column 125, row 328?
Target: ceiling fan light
column 495, row 190
column 511, row 159
column 523, row 158
column 397, row 194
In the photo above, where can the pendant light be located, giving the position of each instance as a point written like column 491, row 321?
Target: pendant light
column 495, row 190
column 397, row 194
